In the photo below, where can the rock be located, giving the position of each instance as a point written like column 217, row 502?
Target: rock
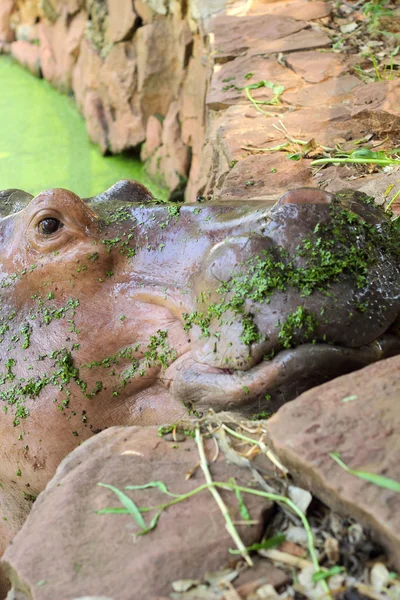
column 203, row 11
column 172, row 158
column 104, row 91
column 192, row 113
column 376, row 106
column 26, row 33
column 326, row 93
column 29, row 12
column 59, row 48
column 305, row 10
column 301, row 40
column 263, row 177
column 117, row 87
column 74, row 552
column 227, row 83
column 153, row 137
column 28, row 55
column 121, row 20
column 356, row 416
column 314, row 66
column 6, row 32
column 235, row 35
column 159, row 73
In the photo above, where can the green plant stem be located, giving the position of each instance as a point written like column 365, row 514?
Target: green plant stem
column 397, row 194
column 383, row 162
column 269, row 496
column 221, row 504
column 240, row 436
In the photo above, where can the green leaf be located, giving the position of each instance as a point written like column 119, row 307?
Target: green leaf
column 152, row 484
column 380, row 480
column 244, row 513
column 296, row 156
column 320, row 575
column 363, row 153
column 112, row 511
column 129, row 504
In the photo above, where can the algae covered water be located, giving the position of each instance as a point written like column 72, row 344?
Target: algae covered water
column 44, row 143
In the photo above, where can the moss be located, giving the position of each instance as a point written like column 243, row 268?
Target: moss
column 301, row 322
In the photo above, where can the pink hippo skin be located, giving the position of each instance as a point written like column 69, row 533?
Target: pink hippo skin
column 120, row 310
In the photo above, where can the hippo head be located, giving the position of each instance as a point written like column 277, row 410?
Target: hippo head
column 120, row 310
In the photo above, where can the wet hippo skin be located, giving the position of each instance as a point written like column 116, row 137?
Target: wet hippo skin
column 123, row 310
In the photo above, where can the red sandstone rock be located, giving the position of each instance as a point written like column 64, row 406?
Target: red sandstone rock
column 77, row 552
column 121, row 20
column 104, row 90
column 301, row 40
column 357, row 416
column 59, row 48
column 314, row 66
column 236, row 35
column 377, row 106
column 160, row 74
column 229, row 79
column 28, row 55
column 192, row 113
column 6, row 32
column 333, row 91
column 305, row 10
column 264, row 177
column 153, row 137
column 172, row 157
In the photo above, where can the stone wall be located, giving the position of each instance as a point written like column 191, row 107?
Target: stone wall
column 171, row 76
column 138, row 70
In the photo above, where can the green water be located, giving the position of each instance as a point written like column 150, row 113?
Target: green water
column 44, row 143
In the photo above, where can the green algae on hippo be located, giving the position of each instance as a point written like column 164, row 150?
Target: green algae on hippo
column 122, row 310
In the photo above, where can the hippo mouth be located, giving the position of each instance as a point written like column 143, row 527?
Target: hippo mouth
column 271, row 383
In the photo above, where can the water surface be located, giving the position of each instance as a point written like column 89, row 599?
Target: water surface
column 44, row 143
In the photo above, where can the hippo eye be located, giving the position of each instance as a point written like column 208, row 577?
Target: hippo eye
column 49, row 226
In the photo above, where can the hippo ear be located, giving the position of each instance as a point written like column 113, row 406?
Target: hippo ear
column 125, row 190
column 12, row 201
column 305, row 195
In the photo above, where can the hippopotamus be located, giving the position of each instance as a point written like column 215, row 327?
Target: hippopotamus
column 124, row 310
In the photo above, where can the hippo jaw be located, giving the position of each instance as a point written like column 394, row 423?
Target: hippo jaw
column 270, row 384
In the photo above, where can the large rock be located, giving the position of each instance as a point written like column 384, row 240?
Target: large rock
column 233, row 36
column 357, row 416
column 27, row 54
column 59, row 48
column 376, row 105
column 105, row 92
column 122, row 20
column 72, row 552
column 228, row 82
column 172, row 158
column 6, row 32
column 305, row 10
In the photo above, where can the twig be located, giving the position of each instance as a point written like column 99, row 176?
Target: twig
column 287, row 559
column 261, row 445
column 221, row 504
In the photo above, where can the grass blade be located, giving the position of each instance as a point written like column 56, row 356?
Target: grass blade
column 112, row 511
column 380, row 480
column 244, row 513
column 129, row 504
